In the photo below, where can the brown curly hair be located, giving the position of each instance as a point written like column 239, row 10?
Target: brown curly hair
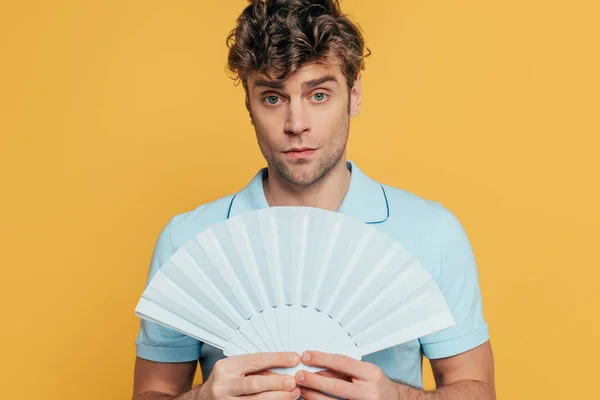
column 277, row 37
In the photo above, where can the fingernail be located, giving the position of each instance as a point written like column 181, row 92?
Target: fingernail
column 296, row 393
column 289, row 384
column 300, row 376
column 307, row 357
column 294, row 358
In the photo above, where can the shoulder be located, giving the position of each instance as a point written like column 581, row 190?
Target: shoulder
column 427, row 228
column 435, row 236
column 420, row 213
column 186, row 225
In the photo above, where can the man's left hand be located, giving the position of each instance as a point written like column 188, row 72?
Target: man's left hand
column 345, row 378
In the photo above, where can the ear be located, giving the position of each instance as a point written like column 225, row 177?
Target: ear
column 249, row 109
column 356, row 96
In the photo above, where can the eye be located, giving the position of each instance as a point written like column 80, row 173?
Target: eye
column 272, row 99
column 319, row 97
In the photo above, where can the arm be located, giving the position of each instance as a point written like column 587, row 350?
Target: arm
column 461, row 356
column 163, row 381
column 466, row 376
column 166, row 360
column 469, row 375
column 243, row 376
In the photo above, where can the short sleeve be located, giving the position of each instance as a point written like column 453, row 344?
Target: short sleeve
column 156, row 342
column 458, row 280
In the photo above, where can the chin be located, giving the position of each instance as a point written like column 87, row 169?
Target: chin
column 304, row 180
column 298, row 172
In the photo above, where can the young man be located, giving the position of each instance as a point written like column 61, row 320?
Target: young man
column 300, row 62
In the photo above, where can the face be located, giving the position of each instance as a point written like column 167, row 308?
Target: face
column 302, row 124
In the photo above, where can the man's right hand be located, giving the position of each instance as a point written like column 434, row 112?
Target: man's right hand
column 243, row 376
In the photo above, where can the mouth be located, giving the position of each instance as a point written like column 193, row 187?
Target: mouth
column 300, row 152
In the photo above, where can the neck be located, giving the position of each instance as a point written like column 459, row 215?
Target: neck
column 326, row 194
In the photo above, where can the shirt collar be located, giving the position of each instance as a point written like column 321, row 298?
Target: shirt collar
column 365, row 200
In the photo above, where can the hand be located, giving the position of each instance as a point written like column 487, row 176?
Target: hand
column 345, row 378
column 245, row 376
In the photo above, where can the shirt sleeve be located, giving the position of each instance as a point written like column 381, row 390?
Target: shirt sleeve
column 458, row 280
column 154, row 341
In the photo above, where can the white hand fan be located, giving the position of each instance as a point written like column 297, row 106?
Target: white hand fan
column 295, row 279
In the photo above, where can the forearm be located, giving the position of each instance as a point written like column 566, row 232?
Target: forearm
column 191, row 395
column 462, row 390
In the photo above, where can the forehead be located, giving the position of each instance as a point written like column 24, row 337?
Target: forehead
column 308, row 73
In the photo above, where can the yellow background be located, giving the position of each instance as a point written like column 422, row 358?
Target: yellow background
column 116, row 115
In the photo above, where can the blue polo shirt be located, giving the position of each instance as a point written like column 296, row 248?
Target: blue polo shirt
column 424, row 227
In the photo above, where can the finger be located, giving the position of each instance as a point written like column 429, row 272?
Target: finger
column 333, row 386
column 255, row 362
column 310, row 394
column 340, row 363
column 334, row 374
column 274, row 395
column 259, row 384
column 265, row 372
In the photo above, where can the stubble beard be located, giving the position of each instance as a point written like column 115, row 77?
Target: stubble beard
column 311, row 176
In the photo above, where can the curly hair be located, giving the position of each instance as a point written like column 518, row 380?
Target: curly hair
column 277, row 37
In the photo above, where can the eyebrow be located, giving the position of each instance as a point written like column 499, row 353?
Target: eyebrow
column 316, row 82
column 269, row 84
column 305, row 85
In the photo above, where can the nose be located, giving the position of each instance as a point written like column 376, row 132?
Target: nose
column 297, row 121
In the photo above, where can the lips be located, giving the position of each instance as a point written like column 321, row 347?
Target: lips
column 299, row 152
column 299, row 149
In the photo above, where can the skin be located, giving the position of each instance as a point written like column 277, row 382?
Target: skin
column 315, row 116
column 469, row 375
column 292, row 115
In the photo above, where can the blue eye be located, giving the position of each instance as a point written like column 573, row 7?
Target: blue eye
column 320, row 96
column 272, row 99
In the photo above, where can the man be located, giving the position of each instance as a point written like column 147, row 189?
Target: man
column 300, row 63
